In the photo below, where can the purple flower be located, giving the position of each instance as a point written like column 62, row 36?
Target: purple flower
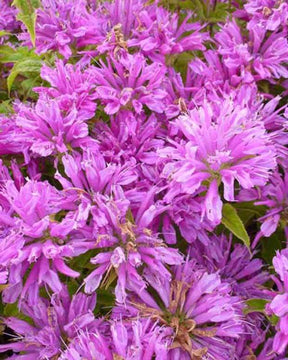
column 62, row 24
column 8, row 16
column 159, row 34
column 234, row 264
column 48, row 129
column 129, row 340
column 90, row 173
column 32, row 239
column 56, row 322
column 128, row 82
column 130, row 245
column 12, row 141
column 199, row 310
column 275, row 197
column 185, row 212
column 72, row 86
column 221, row 144
column 271, row 14
column 266, row 57
column 279, row 305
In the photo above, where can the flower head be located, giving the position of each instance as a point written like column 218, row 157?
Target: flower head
column 199, row 310
column 234, row 264
column 128, row 82
column 48, row 129
column 130, row 245
column 221, row 144
column 279, row 305
column 55, row 323
column 129, row 340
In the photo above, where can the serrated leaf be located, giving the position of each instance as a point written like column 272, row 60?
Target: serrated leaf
column 27, row 15
column 29, row 21
column 22, row 67
column 259, row 305
column 269, row 246
column 12, row 55
column 232, row 221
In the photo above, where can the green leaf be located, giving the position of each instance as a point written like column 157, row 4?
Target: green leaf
column 3, row 33
column 29, row 21
column 108, row 279
column 269, row 246
column 27, row 15
column 273, row 319
column 6, row 107
column 248, row 211
column 23, row 67
column 13, row 311
column 255, row 305
column 219, row 14
column 259, row 305
column 12, row 55
column 232, row 221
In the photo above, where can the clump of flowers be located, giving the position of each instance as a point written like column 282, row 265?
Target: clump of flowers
column 143, row 180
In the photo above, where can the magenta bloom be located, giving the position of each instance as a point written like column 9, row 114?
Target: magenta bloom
column 275, row 197
column 271, row 14
column 159, row 33
column 185, row 212
column 128, row 82
column 32, row 237
column 72, row 86
column 62, row 24
column 197, row 308
column 130, row 245
column 8, row 17
column 234, row 264
column 56, row 322
column 221, row 144
column 48, row 129
column 146, row 119
column 12, row 141
column 266, row 57
column 129, row 340
column 279, row 305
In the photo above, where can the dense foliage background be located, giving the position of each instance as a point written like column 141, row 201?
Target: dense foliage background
column 143, row 179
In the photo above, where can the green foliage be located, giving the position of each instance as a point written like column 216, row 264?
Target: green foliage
column 248, row 211
column 258, row 305
column 11, row 310
column 3, row 33
column 6, row 107
column 25, row 62
column 255, row 305
column 27, row 15
column 105, row 302
column 9, row 54
column 203, row 10
column 232, row 221
column 180, row 62
column 23, row 67
column 269, row 245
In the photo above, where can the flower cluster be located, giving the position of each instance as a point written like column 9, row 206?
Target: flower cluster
column 143, row 180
